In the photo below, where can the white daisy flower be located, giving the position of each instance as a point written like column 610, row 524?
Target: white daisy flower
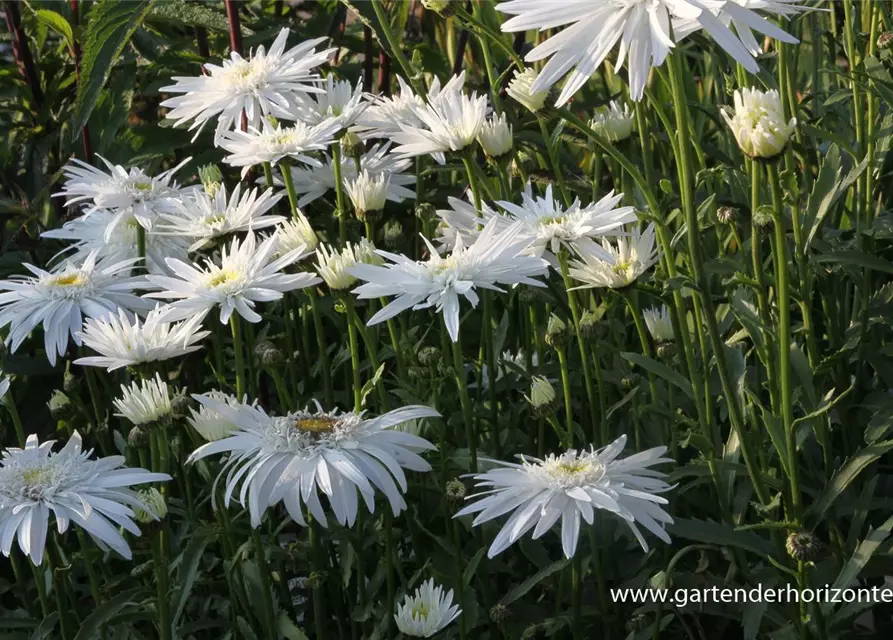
column 551, row 227
column 426, row 612
column 290, row 459
column 272, row 144
column 296, row 234
column 641, row 27
column 495, row 137
column 659, row 324
column 244, row 274
column 569, row 486
column 144, row 401
column 613, row 122
column 207, row 217
column 520, row 88
column 496, row 257
column 338, row 102
column 269, row 83
column 315, row 182
column 115, row 238
column 334, row 265
column 615, row 264
column 368, row 193
column 463, row 220
column 758, row 123
column 59, row 299
column 450, row 122
column 123, row 340
column 93, row 494
column 122, row 191
column 210, row 424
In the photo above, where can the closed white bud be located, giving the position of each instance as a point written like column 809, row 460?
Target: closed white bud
column 519, row 89
column 659, row 324
column 368, row 193
column 542, row 394
column 613, row 122
column 496, row 137
column 759, row 124
column 333, row 265
column 156, row 507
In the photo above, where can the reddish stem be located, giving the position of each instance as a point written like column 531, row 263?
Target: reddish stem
column 235, row 26
column 384, row 73
column 368, row 59
column 22, row 51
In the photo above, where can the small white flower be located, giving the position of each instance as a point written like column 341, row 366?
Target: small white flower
column 144, row 401
column 93, row 494
column 272, row 144
column 206, row 217
column 338, row 102
column 123, row 340
column 496, row 137
column 520, row 88
column 495, row 258
column 58, row 300
column 292, row 458
column 314, row 182
column 210, row 424
column 615, row 264
column 368, row 193
column 569, row 487
column 244, row 274
column 659, row 324
column 121, row 190
column 759, row 124
column 425, row 613
column 612, row 122
column 387, row 115
column 269, row 83
column 296, row 234
column 450, row 122
column 334, row 265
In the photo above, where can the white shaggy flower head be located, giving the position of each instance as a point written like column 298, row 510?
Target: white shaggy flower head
column 659, row 324
column 144, row 401
column 450, row 122
column 296, row 234
column 496, row 137
column 569, row 487
column 615, row 264
column 463, row 220
column 272, row 144
column 210, row 424
column 58, row 300
column 124, row 340
column 550, row 225
column 93, row 494
column 368, row 192
column 269, row 83
column 427, row 611
column 114, row 237
column 334, row 265
column 122, row 191
column 338, row 103
column 315, row 182
column 386, row 115
column 206, row 217
column 613, row 122
column 640, row 27
column 292, row 458
column 496, row 257
column 245, row 273
column 520, row 89
column 758, row 123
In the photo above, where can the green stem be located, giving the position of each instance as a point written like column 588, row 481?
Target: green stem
column 462, row 384
column 60, row 588
column 566, row 387
column 319, row 565
column 577, row 595
column 341, row 211
column 141, row 242
column 235, row 326
column 289, row 181
column 553, row 160
column 354, row 355
column 162, row 580
column 16, row 418
column 384, row 24
column 321, row 347
column 266, row 583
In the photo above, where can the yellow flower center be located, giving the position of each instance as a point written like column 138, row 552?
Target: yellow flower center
column 142, row 186
column 573, row 468
column 67, row 280
column 621, row 268
column 316, row 425
column 223, row 277
column 420, row 610
column 552, row 220
column 34, row 476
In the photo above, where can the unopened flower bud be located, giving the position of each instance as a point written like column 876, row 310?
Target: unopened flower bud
column 143, row 570
column 180, row 404
column 613, row 122
column 763, row 218
column 352, row 145
column 542, row 397
column 268, row 354
column 61, row 407
column 429, row 356
column 758, row 123
column 630, row 382
column 802, row 546
column 138, row 437
column 527, row 294
column 425, row 211
column 416, row 373
column 520, row 90
column 368, row 193
column 500, row 613
column 444, row 7
column 557, row 333
column 71, row 384
column 211, row 178
column 393, row 234
column 885, row 40
column 496, row 137
column 155, row 506
column 638, row 622
column 666, row 350
column 455, row 491
column 588, row 324
column 726, row 215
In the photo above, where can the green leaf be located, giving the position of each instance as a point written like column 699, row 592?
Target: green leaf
column 193, row 14
column 472, row 566
column 187, row 574
column 110, row 27
column 532, row 581
column 846, row 474
column 720, row 534
column 106, row 611
column 658, row 368
column 857, row 259
column 288, row 630
column 57, row 23
column 851, row 570
column 370, row 385
column 46, row 628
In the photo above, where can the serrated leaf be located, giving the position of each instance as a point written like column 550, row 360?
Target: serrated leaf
column 187, row 574
column 863, row 553
column 856, row 259
column 658, row 368
column 106, row 611
column 110, row 27
column 193, row 14
column 845, row 475
column 520, row 590
column 57, row 23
